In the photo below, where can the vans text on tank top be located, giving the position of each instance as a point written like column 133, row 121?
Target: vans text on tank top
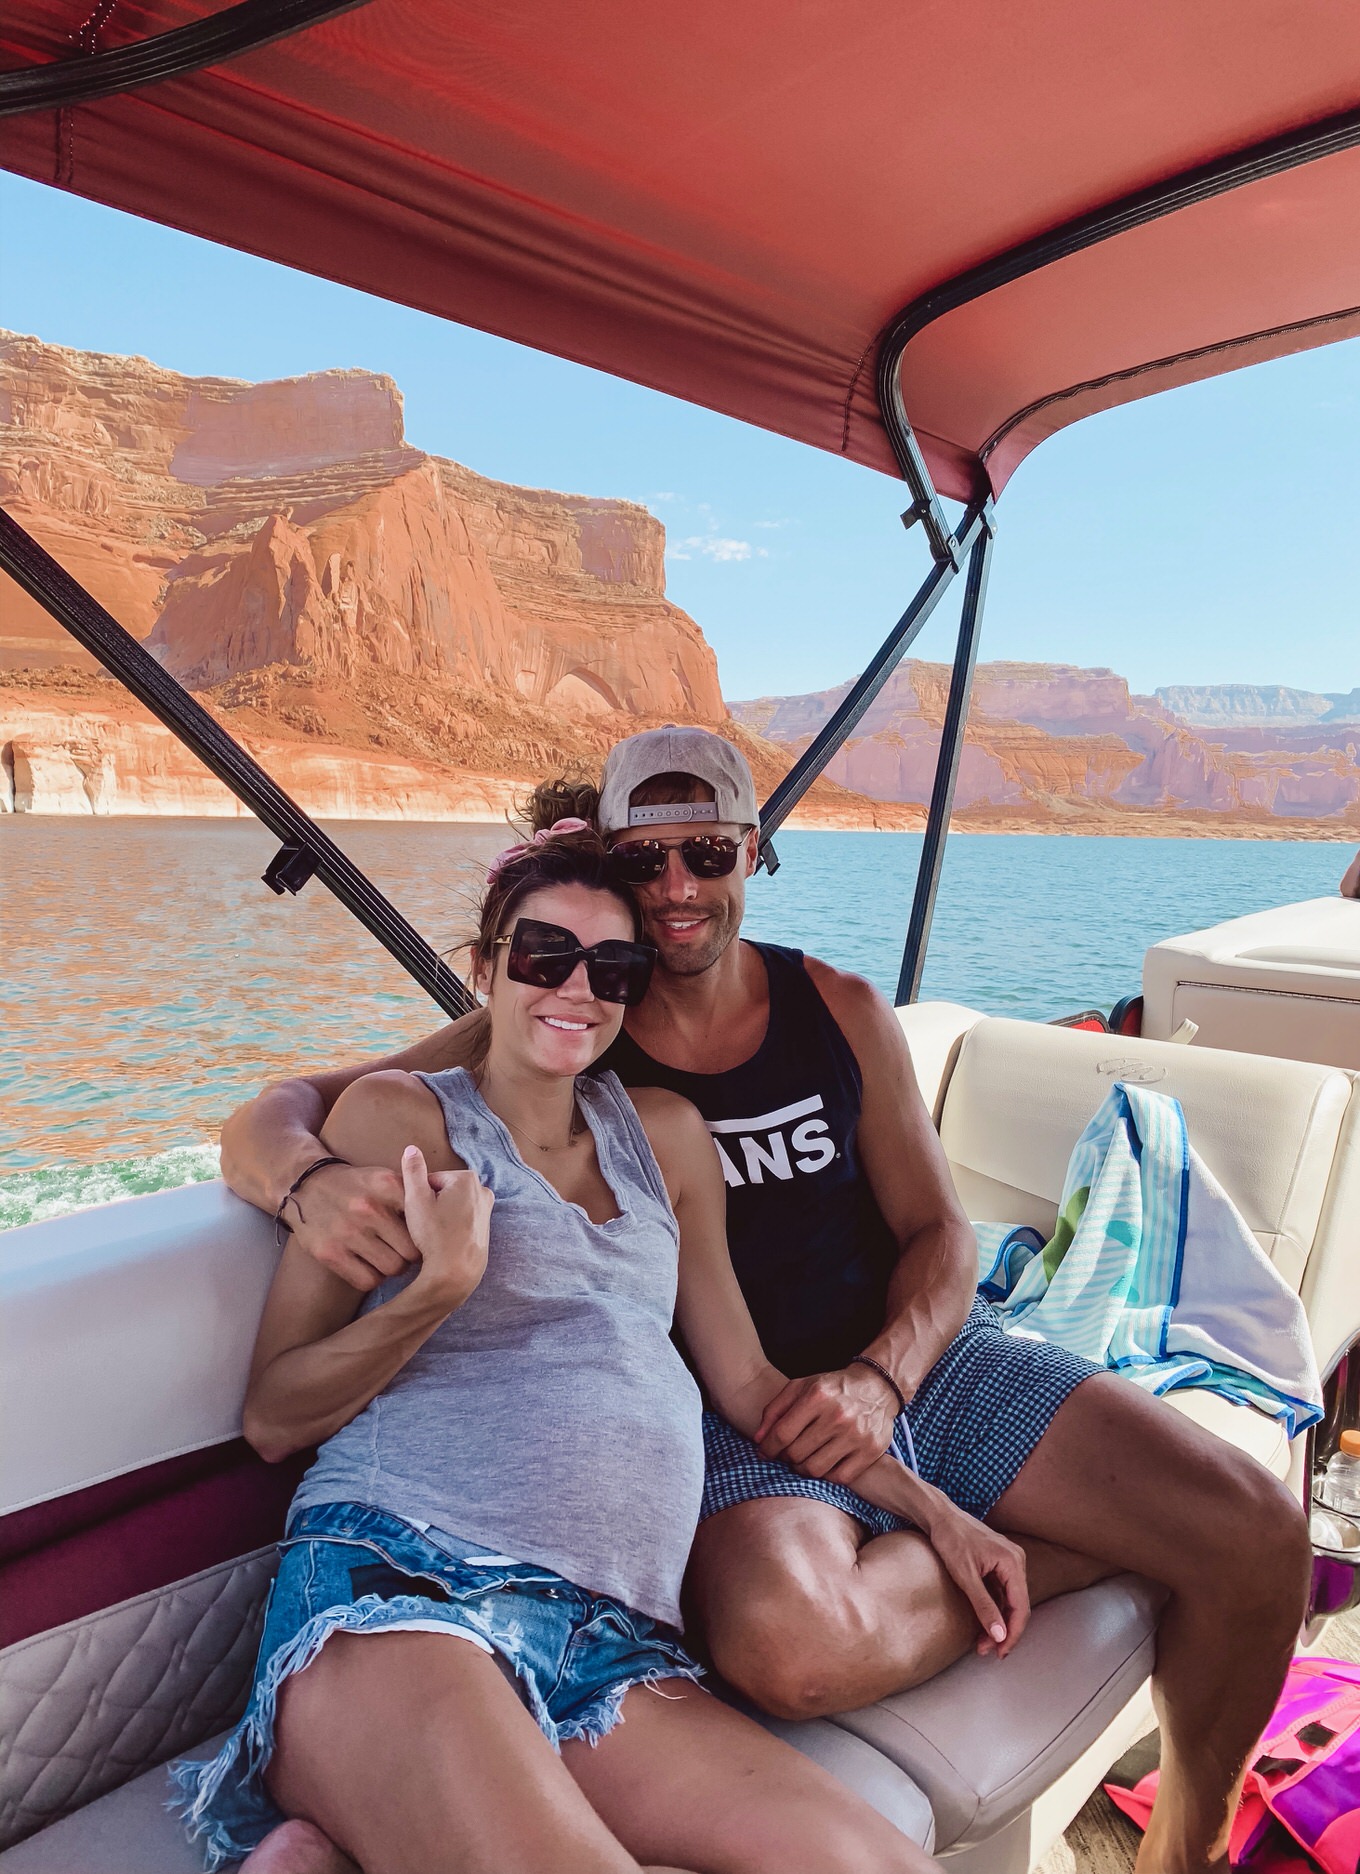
column 809, row 1244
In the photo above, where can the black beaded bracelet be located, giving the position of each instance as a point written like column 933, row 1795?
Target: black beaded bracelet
column 282, row 1228
column 863, row 1359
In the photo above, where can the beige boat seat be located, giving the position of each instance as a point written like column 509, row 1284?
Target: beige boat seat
column 126, row 1333
column 129, row 1831
column 1284, row 982
column 1008, row 1752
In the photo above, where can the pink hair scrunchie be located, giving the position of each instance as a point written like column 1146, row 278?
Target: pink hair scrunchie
column 541, row 838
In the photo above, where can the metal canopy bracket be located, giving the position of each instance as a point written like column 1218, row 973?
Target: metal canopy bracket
column 925, row 503
column 944, row 546
column 841, row 725
column 289, row 869
column 306, row 849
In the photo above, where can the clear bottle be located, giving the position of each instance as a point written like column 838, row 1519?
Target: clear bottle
column 1340, row 1489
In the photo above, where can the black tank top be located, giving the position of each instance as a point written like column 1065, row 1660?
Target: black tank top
column 809, row 1244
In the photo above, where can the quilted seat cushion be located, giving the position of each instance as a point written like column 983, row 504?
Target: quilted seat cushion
column 87, row 1706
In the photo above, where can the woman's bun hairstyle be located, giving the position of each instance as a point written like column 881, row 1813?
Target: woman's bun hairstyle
column 562, row 799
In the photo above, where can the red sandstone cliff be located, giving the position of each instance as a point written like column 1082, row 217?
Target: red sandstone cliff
column 392, row 632
column 237, row 526
column 388, row 631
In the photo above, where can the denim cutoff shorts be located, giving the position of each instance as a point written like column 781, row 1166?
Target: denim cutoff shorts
column 348, row 1568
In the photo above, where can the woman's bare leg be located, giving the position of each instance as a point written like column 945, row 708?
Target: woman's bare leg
column 413, row 1751
column 687, row 1780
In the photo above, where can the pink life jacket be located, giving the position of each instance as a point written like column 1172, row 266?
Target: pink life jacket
column 1303, row 1787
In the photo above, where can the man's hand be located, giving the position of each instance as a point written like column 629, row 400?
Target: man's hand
column 450, row 1218
column 832, row 1425
column 350, row 1219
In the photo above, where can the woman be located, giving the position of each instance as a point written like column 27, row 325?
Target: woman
column 511, row 1457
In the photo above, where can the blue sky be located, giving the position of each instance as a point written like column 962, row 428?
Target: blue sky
column 1208, row 535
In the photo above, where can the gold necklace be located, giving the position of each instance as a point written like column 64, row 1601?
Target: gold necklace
column 572, row 1136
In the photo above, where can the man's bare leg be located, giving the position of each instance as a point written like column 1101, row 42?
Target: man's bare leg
column 298, row 1848
column 1123, row 1476
column 805, row 1616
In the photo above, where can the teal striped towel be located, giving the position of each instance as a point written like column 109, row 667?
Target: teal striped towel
column 1152, row 1272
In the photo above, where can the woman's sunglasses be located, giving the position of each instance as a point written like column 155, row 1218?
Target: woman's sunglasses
column 545, row 955
column 641, row 861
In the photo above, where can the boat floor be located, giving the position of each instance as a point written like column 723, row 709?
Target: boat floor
column 1101, row 1841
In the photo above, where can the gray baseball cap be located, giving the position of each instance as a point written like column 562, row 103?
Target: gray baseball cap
column 673, row 750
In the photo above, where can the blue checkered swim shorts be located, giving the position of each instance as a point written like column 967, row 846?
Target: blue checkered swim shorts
column 976, row 1417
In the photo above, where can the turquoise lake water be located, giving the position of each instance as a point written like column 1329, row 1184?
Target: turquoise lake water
column 151, row 982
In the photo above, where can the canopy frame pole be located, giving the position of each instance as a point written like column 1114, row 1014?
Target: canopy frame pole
column 306, row 851
column 841, row 725
column 1292, row 149
column 1304, row 144
column 947, row 765
column 84, row 76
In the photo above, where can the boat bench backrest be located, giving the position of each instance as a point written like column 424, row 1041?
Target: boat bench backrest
column 136, row 1527
column 1282, row 1137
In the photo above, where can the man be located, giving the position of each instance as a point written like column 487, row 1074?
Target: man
column 860, row 1272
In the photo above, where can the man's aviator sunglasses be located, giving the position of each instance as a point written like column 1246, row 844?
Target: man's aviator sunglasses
column 545, row 955
column 642, row 861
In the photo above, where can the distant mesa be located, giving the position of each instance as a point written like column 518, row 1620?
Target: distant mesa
column 1259, row 706
column 240, row 526
column 1059, row 743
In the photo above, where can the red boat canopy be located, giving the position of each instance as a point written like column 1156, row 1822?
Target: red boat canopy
column 733, row 203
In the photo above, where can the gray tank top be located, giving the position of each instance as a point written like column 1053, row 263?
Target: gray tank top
column 550, row 1417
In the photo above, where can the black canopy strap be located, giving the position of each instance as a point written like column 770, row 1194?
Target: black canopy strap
column 87, row 75
column 306, row 849
column 862, row 692
column 947, row 765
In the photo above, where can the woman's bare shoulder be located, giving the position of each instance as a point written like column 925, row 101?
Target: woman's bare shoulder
column 380, row 1114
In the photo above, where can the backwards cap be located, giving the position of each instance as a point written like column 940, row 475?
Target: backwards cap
column 673, row 750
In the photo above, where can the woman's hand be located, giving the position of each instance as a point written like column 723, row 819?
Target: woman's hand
column 448, row 1214
column 990, row 1571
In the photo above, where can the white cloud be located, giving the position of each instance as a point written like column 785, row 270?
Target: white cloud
column 783, row 523
column 713, row 547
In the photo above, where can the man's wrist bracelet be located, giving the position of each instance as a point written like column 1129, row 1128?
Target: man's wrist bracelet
column 282, row 1228
column 864, row 1359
